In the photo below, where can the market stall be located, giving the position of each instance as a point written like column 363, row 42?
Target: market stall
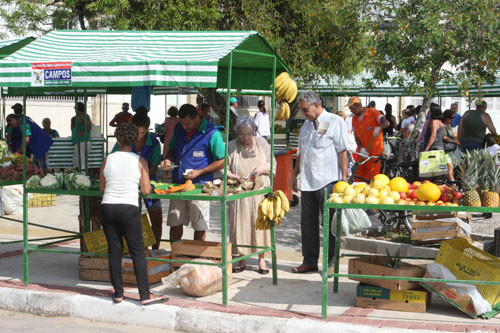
column 482, row 264
column 118, row 61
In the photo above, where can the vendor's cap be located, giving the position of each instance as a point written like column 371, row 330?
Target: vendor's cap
column 17, row 106
column 233, row 100
column 125, row 105
column 353, row 100
column 260, row 103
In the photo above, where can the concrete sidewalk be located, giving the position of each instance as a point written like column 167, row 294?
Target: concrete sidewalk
column 255, row 304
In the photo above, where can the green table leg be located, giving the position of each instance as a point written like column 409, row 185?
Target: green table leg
column 223, row 214
column 273, row 253
column 324, row 273
column 337, row 251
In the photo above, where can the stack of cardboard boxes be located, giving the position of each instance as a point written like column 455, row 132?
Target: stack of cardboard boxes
column 398, row 295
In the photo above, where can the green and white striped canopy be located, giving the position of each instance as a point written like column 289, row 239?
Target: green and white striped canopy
column 357, row 87
column 10, row 46
column 124, row 59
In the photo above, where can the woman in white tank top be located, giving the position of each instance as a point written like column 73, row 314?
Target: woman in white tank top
column 121, row 174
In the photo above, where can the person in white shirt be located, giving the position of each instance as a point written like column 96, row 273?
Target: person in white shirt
column 121, row 174
column 321, row 162
column 261, row 120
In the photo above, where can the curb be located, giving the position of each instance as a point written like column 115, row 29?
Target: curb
column 164, row 316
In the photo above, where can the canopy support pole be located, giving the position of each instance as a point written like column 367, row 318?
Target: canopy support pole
column 25, row 201
column 224, row 194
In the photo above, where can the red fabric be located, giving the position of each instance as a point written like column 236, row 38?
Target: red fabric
column 121, row 118
column 190, row 134
column 364, row 131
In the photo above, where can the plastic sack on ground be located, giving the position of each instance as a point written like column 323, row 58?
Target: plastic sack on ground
column 196, row 280
column 353, row 221
column 12, row 199
column 441, row 272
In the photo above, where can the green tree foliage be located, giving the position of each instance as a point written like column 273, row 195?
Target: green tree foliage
column 314, row 37
column 423, row 42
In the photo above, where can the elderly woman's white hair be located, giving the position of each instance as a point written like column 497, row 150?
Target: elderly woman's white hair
column 245, row 121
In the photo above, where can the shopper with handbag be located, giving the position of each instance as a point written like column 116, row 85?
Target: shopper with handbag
column 450, row 144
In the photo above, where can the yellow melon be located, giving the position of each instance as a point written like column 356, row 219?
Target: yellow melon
column 340, row 187
column 428, row 192
column 382, row 178
column 399, row 184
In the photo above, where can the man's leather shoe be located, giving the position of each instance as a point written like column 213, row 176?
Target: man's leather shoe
column 304, row 268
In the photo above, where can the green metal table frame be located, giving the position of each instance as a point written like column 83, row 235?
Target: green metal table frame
column 71, row 234
column 223, row 199
column 336, row 275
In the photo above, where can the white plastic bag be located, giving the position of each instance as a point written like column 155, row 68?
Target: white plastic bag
column 353, row 221
column 196, row 280
column 439, row 271
column 12, row 199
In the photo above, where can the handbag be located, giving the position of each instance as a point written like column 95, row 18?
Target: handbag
column 449, row 146
column 432, row 163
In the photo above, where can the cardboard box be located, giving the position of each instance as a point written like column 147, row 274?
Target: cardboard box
column 371, row 265
column 192, row 249
column 396, row 300
column 97, row 269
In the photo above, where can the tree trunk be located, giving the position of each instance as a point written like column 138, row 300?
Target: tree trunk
column 430, row 90
column 414, row 150
column 218, row 104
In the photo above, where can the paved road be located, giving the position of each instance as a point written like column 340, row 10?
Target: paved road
column 23, row 322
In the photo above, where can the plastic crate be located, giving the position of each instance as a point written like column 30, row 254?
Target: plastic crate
column 42, row 200
column 96, row 242
column 467, row 262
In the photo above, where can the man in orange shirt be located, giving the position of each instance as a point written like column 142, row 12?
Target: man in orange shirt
column 367, row 124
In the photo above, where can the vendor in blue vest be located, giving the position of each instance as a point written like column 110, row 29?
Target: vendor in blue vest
column 37, row 140
column 147, row 146
column 197, row 149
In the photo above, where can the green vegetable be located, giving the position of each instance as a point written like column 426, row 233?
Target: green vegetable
column 49, row 182
column 33, row 182
column 60, row 179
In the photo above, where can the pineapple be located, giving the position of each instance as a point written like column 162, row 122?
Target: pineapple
column 469, row 172
column 491, row 175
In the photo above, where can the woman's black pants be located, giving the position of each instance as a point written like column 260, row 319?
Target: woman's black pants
column 119, row 221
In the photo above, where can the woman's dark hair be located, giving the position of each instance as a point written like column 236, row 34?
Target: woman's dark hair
column 388, row 108
column 9, row 117
column 436, row 112
column 141, row 120
column 489, row 140
column 371, row 104
column 141, row 109
column 126, row 133
column 447, row 114
column 187, row 110
column 80, row 107
column 173, row 111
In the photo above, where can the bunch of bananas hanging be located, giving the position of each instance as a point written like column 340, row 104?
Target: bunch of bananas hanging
column 283, row 111
column 272, row 208
column 286, row 92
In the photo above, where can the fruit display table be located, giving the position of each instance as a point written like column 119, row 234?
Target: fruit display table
column 337, row 225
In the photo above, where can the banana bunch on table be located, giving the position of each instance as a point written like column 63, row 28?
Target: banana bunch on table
column 286, row 92
column 272, row 208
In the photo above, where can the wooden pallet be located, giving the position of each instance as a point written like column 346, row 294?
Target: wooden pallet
column 432, row 229
column 97, row 269
column 192, row 249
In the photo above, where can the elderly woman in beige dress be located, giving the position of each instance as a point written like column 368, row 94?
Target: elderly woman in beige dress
column 249, row 157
